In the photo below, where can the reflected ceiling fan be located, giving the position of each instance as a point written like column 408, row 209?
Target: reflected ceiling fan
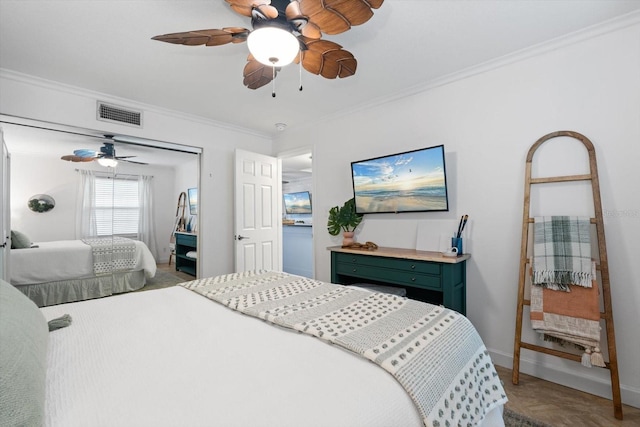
column 286, row 31
column 106, row 156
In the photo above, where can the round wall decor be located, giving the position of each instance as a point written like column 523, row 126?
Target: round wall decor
column 41, row 203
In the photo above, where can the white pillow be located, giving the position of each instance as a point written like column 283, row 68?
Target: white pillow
column 19, row 240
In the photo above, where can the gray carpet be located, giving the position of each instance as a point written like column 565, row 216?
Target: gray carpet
column 162, row 279
column 513, row 419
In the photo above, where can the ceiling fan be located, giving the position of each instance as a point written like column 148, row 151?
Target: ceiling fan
column 286, row 31
column 106, row 156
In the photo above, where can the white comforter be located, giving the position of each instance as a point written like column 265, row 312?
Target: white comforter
column 65, row 260
column 171, row 357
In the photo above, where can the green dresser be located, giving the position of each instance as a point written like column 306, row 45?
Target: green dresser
column 185, row 243
column 426, row 276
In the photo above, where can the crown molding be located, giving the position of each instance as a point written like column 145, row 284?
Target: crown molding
column 596, row 30
column 124, row 102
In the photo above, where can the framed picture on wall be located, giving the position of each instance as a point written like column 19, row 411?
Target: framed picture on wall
column 193, row 200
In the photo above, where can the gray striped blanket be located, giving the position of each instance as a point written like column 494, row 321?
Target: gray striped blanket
column 111, row 254
column 562, row 252
column 433, row 352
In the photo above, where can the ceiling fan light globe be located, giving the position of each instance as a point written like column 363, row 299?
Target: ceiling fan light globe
column 274, row 47
column 108, row 162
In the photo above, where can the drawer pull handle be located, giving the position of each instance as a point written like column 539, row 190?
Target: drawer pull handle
column 413, row 279
column 413, row 266
column 353, row 260
column 354, row 270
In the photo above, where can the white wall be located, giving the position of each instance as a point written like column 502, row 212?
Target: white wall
column 39, row 174
column 488, row 119
column 24, row 96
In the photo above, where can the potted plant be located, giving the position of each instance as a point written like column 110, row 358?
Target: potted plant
column 344, row 219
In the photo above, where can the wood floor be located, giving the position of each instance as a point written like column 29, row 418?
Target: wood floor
column 172, row 269
column 562, row 406
column 542, row 400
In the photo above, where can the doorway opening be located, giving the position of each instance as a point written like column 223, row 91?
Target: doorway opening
column 297, row 212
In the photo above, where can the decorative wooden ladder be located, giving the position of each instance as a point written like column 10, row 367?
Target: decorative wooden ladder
column 603, row 267
column 178, row 225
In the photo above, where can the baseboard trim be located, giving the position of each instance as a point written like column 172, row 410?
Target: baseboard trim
column 567, row 377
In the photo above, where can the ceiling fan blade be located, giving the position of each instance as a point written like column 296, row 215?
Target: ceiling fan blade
column 293, row 10
column 311, row 30
column 301, row 22
column 85, row 152
column 327, row 21
column 131, row 161
column 346, row 62
column 328, row 59
column 256, row 74
column 213, row 37
column 239, row 34
column 245, row 7
column 72, row 158
column 338, row 16
column 267, row 11
column 375, row 4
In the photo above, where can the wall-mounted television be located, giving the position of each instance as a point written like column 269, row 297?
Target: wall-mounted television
column 413, row 181
column 297, row 203
column 192, row 195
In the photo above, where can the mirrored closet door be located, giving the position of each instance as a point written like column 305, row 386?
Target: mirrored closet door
column 92, row 209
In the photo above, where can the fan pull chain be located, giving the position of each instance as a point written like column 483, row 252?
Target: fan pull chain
column 300, row 68
column 273, row 82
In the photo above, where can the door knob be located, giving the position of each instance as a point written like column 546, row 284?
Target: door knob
column 239, row 237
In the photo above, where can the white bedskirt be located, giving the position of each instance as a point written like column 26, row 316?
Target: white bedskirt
column 51, row 293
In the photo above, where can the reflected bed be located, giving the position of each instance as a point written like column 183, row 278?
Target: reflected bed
column 71, row 270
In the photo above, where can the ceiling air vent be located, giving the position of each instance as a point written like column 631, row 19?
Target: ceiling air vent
column 115, row 114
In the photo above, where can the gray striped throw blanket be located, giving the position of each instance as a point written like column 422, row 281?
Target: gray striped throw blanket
column 562, row 252
column 112, row 254
column 433, row 352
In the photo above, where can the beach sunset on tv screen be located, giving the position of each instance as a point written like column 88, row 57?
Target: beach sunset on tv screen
column 297, row 203
column 414, row 181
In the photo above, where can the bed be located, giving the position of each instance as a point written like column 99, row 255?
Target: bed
column 173, row 357
column 73, row 270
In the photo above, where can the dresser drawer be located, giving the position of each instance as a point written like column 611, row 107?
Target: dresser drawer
column 424, row 267
column 389, row 275
column 186, row 239
column 427, row 276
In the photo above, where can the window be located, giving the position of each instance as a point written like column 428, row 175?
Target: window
column 117, row 207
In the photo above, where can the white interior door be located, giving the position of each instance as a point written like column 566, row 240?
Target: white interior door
column 5, row 211
column 258, row 227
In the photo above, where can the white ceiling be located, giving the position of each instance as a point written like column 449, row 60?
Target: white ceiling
column 297, row 167
column 105, row 46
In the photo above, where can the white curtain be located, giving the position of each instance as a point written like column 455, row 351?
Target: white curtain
column 85, row 206
column 146, row 223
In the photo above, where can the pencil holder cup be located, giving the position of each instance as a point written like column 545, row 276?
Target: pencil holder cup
column 456, row 242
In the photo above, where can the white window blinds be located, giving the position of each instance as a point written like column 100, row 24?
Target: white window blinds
column 117, row 207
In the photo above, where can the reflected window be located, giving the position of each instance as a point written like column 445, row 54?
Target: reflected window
column 117, row 207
